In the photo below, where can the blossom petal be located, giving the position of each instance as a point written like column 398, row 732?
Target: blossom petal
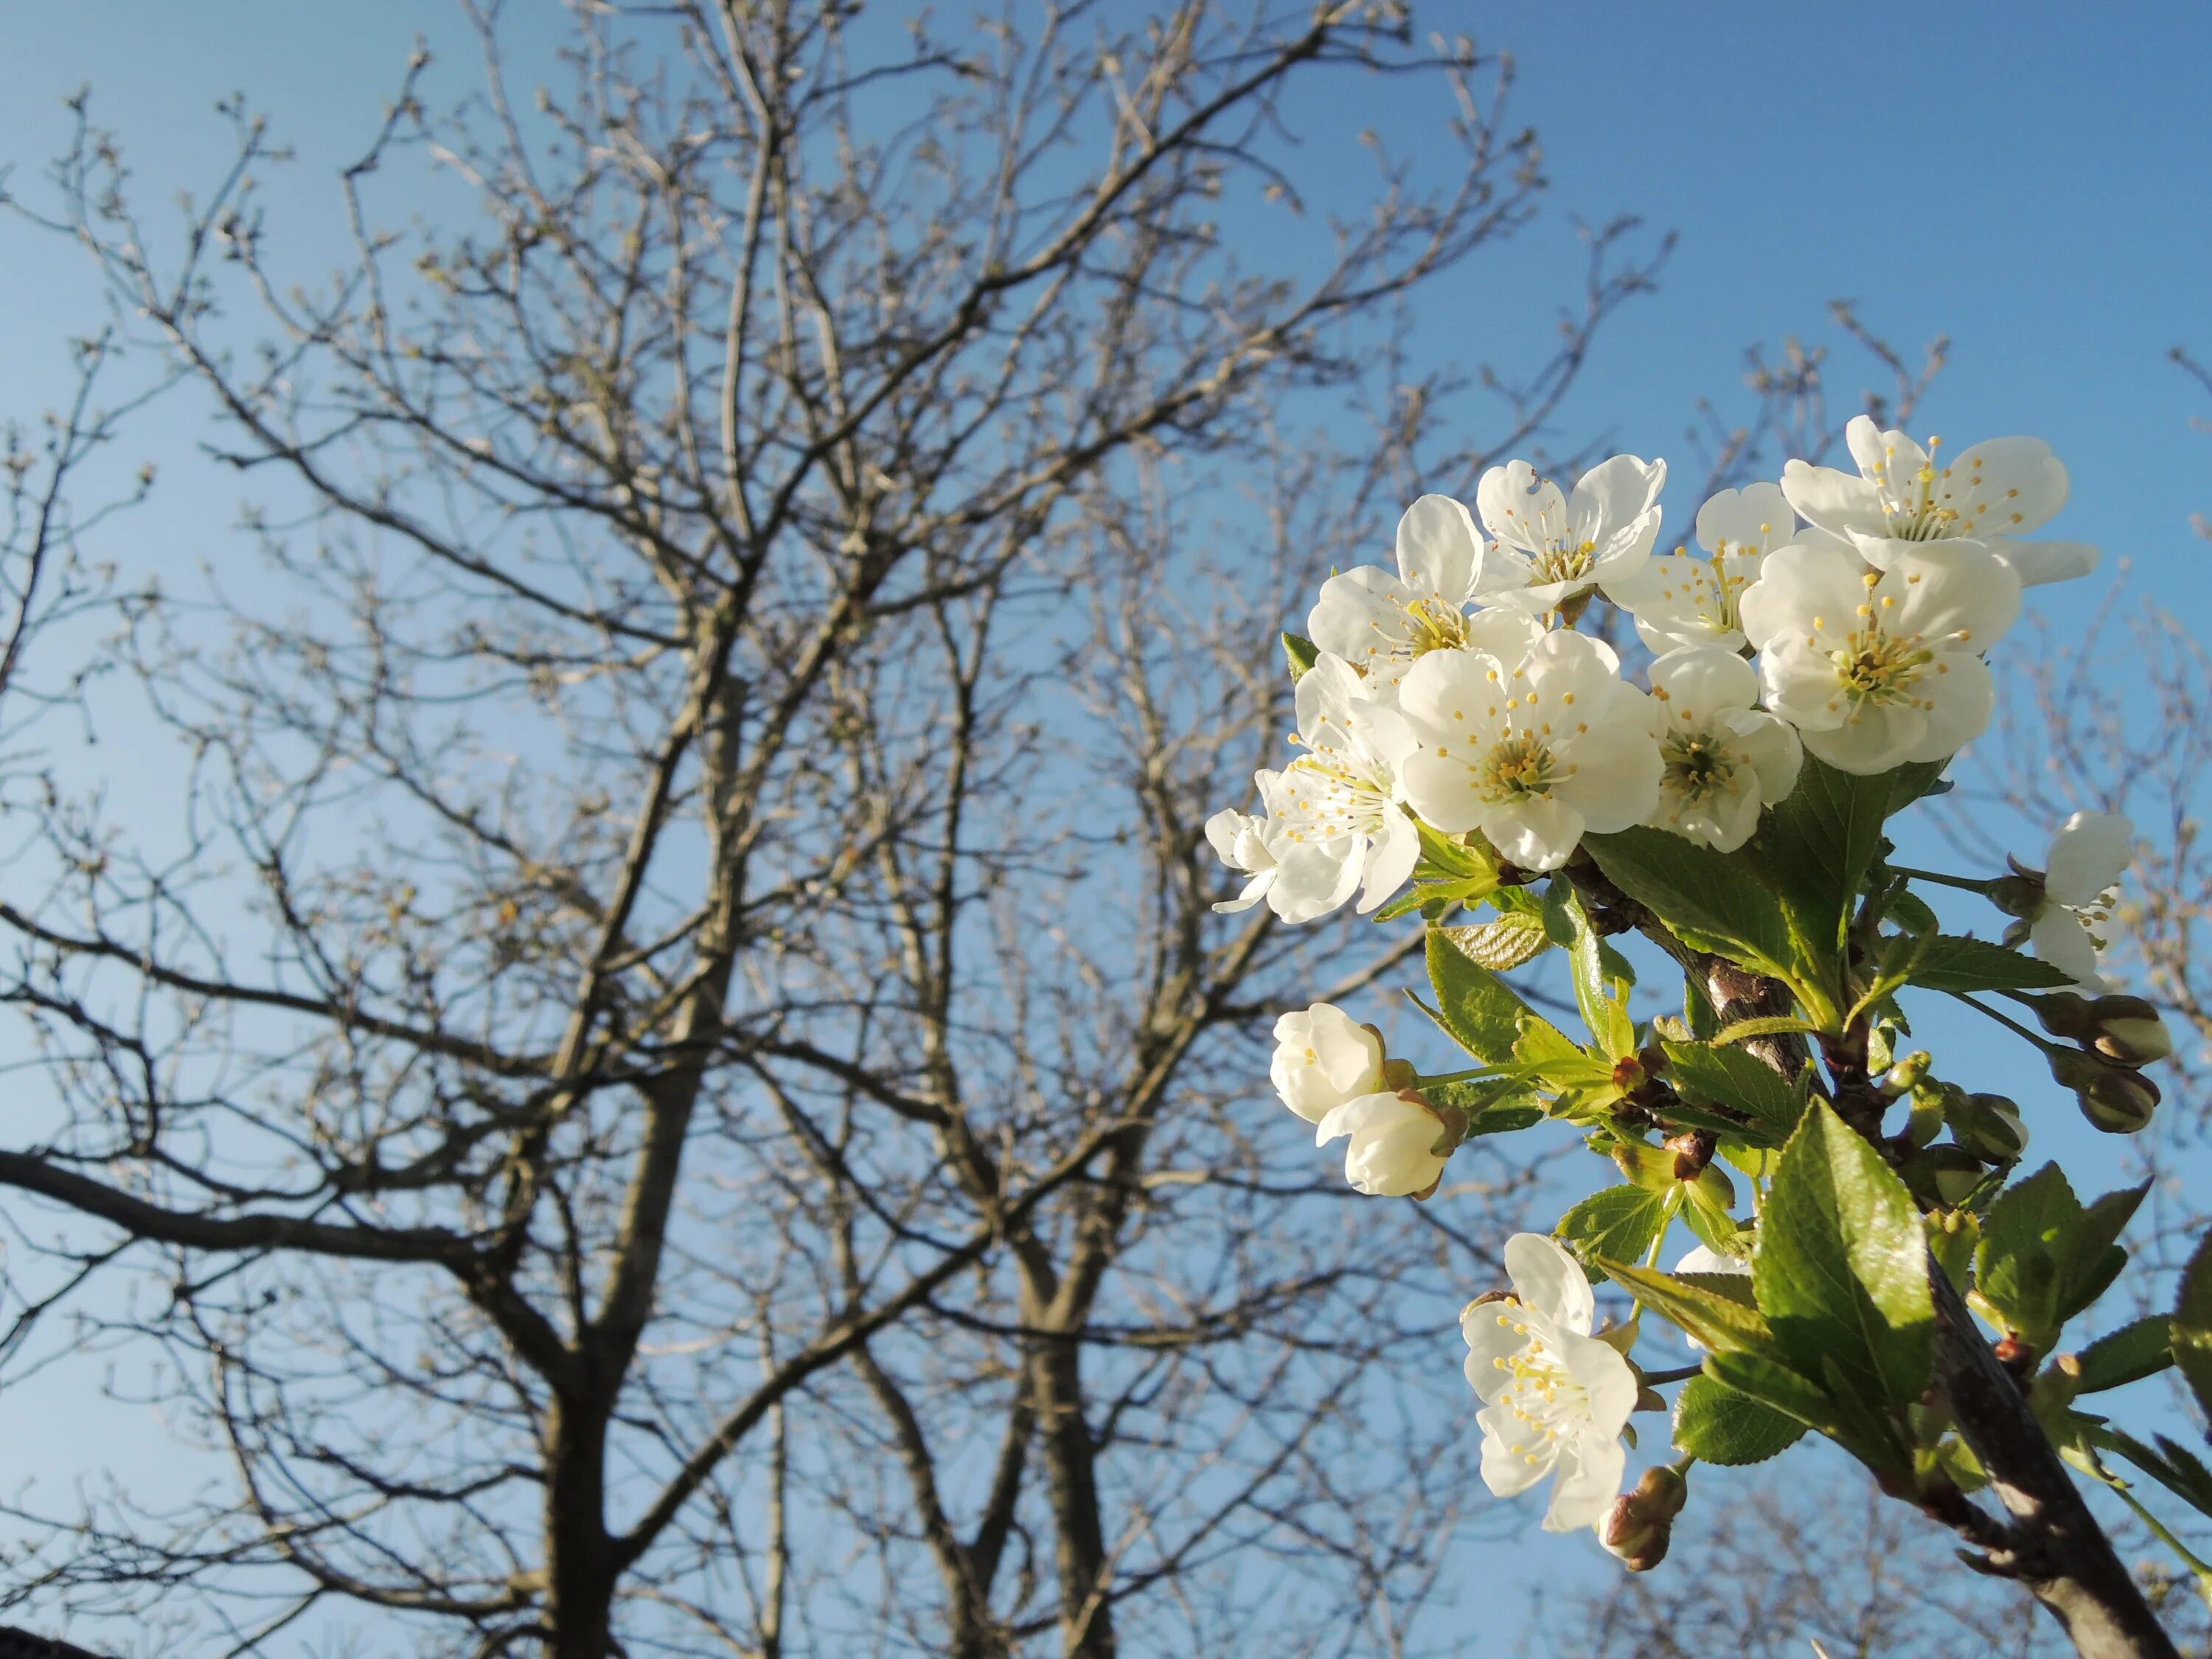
column 2061, row 939
column 1551, row 1281
column 1390, row 859
column 1703, row 680
column 1509, row 1465
column 1961, row 590
column 1315, row 878
column 1519, row 508
column 2091, row 851
column 1834, row 500
column 1361, row 615
column 2037, row 562
column 2003, row 487
column 1870, row 740
column 1590, row 1474
column 1961, row 703
column 1438, row 547
column 1493, row 1339
column 1753, row 519
column 1800, row 587
column 1536, row 833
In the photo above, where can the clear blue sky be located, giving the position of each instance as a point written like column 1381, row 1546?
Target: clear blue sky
column 2033, row 178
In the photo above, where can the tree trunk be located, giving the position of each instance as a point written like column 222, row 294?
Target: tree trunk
column 580, row 1565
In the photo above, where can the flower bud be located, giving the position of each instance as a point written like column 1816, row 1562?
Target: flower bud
column 1907, row 1075
column 1399, row 1143
column 2065, row 1014
column 1693, row 1152
column 1932, row 1105
column 1641, row 1523
column 1942, row 1175
column 2019, row 894
column 1988, row 1126
column 2129, row 1030
column 2113, row 1098
column 1323, row 1059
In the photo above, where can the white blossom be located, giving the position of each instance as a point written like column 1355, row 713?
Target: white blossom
column 1704, row 1259
column 1533, row 753
column 1723, row 760
column 1876, row 668
column 1379, row 624
column 1335, row 821
column 1392, row 1151
column 1555, row 1398
column 1678, row 600
column 1550, row 547
column 1240, row 840
column 2087, row 857
column 1996, row 494
column 1323, row 1058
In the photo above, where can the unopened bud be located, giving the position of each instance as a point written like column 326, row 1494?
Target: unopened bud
column 1399, row 1074
column 1989, row 1127
column 1932, row 1106
column 1944, row 1175
column 2019, row 894
column 2129, row 1030
column 1907, row 1075
column 1641, row 1523
column 2113, row 1098
column 1693, row 1150
column 1628, row 1074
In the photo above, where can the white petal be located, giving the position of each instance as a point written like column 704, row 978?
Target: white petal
column 1445, row 689
column 1963, row 700
column 1536, row 834
column 1438, row 547
column 1519, row 508
column 1590, row 1474
column 1315, row 878
column 1506, row 633
column 2037, row 562
column 1834, row 500
column 2090, row 852
column 1551, row 1281
column 1511, row 1465
column 1324, row 694
column 1616, row 493
column 1488, row 1330
column 1703, row 680
column 2061, row 939
column 2003, row 487
column 1798, row 587
column 1704, row 1259
column 1756, row 519
column 1870, row 740
column 1442, row 790
column 1963, row 590
column 1390, row 859
column 1361, row 615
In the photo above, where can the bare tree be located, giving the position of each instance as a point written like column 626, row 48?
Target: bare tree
column 667, row 1075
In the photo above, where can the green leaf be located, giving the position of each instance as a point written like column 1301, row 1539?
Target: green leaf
column 1816, row 845
column 1743, row 1031
column 1742, row 1082
column 1774, row 1384
column 2142, row 1348
column 1709, row 901
column 1491, row 1106
column 2089, row 1255
column 1950, row 963
column 1842, row 1268
column 1501, row 945
column 1444, row 857
column 1709, row 1210
column 1716, row 1423
column 2191, row 1329
column 2017, row 1264
column 1600, row 994
column 1301, row 653
column 1619, row 1222
column 1910, row 912
column 1478, row 1009
column 1714, row 1316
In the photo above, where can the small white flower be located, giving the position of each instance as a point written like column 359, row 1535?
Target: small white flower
column 1995, row 494
column 1679, row 600
column 1723, row 760
column 2087, row 857
column 1533, row 753
column 1878, row 668
column 1240, row 839
column 1393, row 1152
column 1335, row 821
column 1323, row 1058
column 1550, row 547
column 1379, row 624
column 1555, row 1399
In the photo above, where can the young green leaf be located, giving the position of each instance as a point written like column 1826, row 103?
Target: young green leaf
column 1301, row 653
column 1772, row 1383
column 1501, row 945
column 1478, row 1009
column 1714, row 1316
column 1600, row 994
column 1743, row 1083
column 1950, row 963
column 1842, row 1268
column 2191, row 1329
column 1619, row 1223
column 2141, row 1348
column 1709, row 901
column 1716, row 1423
column 1816, row 845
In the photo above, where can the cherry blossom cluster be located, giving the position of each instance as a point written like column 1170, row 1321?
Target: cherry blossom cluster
column 1844, row 615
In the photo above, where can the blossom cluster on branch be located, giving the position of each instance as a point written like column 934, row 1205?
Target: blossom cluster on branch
column 1468, row 753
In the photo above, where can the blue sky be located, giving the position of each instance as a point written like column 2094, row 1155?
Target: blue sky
column 2033, row 180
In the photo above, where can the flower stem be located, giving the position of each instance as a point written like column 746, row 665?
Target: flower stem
column 1967, row 883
